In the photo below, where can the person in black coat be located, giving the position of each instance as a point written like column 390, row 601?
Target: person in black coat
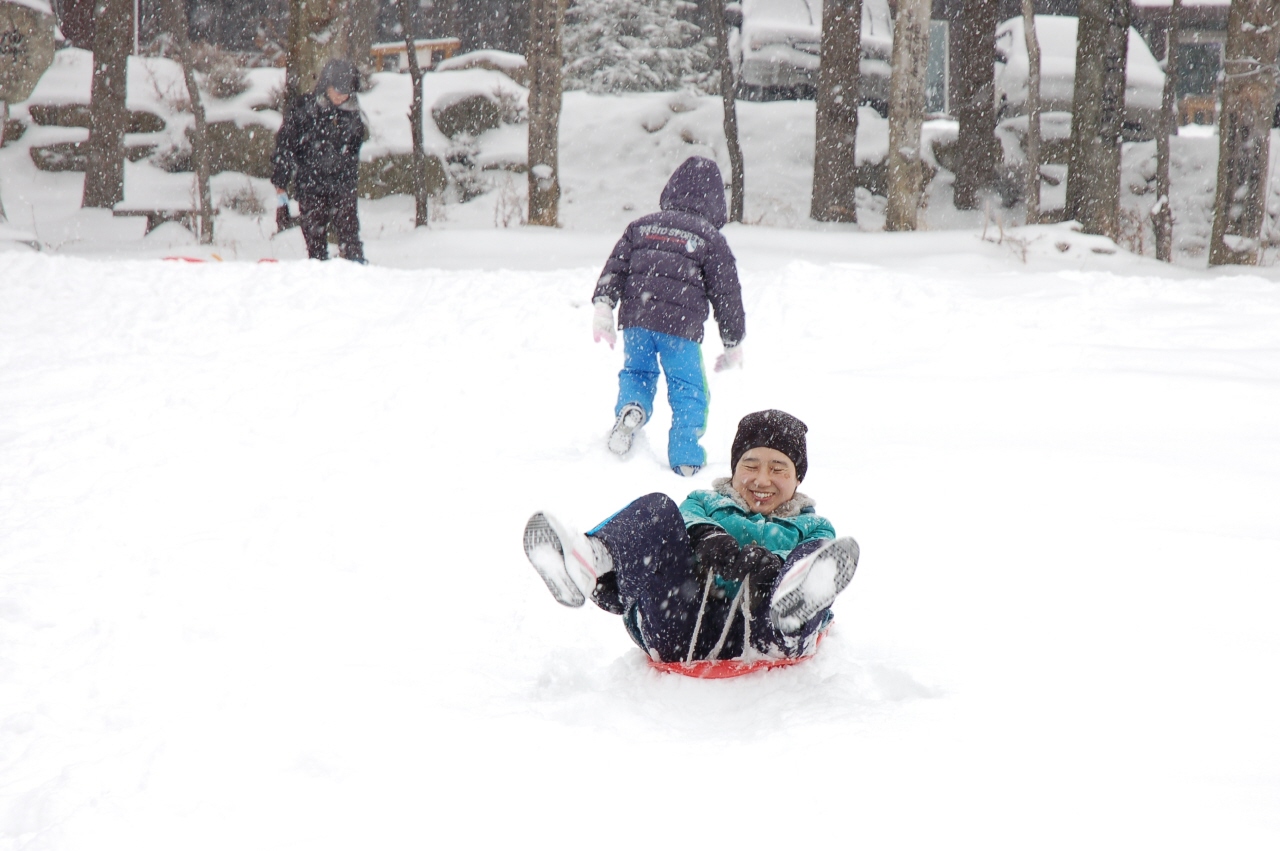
column 665, row 276
column 318, row 151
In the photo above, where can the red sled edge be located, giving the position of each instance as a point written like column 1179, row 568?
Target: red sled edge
column 724, row 668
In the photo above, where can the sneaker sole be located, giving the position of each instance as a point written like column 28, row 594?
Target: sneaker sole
column 544, row 546
column 623, row 431
column 813, row 585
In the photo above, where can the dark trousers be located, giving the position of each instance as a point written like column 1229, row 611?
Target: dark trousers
column 318, row 212
column 662, row 590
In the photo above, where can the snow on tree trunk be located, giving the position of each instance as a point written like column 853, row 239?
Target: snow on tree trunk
column 421, row 209
column 546, row 22
column 108, row 117
column 1097, row 116
column 1162, row 212
column 1033, row 111
column 175, row 18
column 1244, row 131
column 836, row 127
column 636, row 46
column 729, row 98
column 906, row 113
column 974, row 59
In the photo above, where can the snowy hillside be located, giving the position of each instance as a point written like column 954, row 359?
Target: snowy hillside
column 262, row 588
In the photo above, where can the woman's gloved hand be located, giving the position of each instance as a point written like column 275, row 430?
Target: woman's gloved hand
column 753, row 561
column 716, row 549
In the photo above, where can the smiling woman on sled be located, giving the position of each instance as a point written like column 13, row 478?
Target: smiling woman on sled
column 732, row 580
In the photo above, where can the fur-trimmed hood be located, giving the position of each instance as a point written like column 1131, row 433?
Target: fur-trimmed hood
column 793, row 507
column 792, row 524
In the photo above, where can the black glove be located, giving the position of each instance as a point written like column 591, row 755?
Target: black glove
column 753, row 561
column 716, row 548
column 284, row 221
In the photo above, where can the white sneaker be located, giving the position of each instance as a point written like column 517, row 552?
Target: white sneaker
column 562, row 557
column 629, row 421
column 812, row 583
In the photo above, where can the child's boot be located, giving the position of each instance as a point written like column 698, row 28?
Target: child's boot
column 630, row 419
column 570, row 563
column 811, row 584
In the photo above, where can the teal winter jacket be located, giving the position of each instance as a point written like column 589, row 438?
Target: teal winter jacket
column 793, row 523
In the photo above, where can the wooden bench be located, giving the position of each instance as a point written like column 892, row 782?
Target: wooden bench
column 157, row 217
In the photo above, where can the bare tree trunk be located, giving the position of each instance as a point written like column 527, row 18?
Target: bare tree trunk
column 1162, row 212
column 4, row 119
column 175, row 22
column 1033, row 111
column 974, row 59
column 421, row 211
column 108, row 116
column 355, row 31
column 835, row 167
column 312, row 25
column 1244, row 132
column 546, row 22
column 26, row 51
column 729, row 97
column 906, row 113
column 1097, row 116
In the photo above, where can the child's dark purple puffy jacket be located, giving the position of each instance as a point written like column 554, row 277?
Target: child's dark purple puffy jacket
column 669, row 266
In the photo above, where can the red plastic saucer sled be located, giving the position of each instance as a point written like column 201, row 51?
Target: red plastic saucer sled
column 720, row 669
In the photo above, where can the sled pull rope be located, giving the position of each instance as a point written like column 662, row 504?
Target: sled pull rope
column 728, row 621
column 697, row 624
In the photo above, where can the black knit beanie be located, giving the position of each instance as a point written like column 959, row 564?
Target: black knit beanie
column 775, row 430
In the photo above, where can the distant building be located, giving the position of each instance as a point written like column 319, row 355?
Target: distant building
column 1202, row 40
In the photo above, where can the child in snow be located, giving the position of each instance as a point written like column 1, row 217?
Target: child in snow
column 746, row 570
column 665, row 271
column 318, row 150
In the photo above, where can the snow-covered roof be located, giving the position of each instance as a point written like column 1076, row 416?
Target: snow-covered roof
column 497, row 58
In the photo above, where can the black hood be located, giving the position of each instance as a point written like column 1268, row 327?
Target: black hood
column 697, row 187
column 340, row 74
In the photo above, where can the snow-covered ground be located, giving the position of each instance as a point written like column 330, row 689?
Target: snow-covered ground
column 263, row 586
column 261, row 583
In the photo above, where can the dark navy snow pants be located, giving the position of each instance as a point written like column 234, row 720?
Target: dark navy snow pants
column 662, row 590
column 318, row 212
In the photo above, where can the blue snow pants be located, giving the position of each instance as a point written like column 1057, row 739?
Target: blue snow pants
column 681, row 360
column 661, row 587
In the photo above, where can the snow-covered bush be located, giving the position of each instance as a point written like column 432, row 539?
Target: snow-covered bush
column 636, row 46
column 466, row 113
column 243, row 200
column 467, row 178
column 223, row 74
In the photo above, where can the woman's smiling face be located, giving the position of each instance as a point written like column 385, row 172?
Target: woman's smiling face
column 765, row 478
